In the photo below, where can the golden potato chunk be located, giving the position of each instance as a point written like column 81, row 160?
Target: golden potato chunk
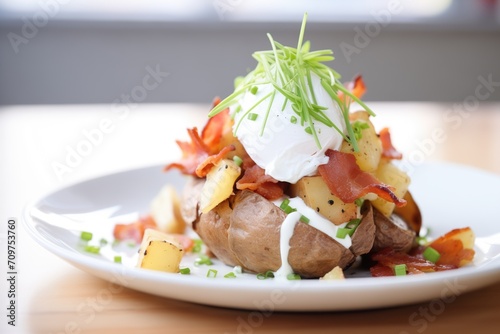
column 316, row 194
column 159, row 251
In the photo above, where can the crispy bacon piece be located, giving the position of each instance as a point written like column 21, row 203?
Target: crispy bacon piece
column 415, row 263
column 207, row 164
column 348, row 182
column 388, row 150
column 452, row 250
column 200, row 148
column 255, row 179
column 193, row 154
column 133, row 231
column 357, row 87
column 216, row 126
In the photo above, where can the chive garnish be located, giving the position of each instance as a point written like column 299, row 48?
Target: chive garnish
column 342, row 232
column 117, row 259
column 185, row 271
column 211, row 273
column 237, row 160
column 289, row 70
column 293, row 277
column 86, row 236
column 203, row 260
column 92, row 249
column 266, row 275
column 230, row 275
column 400, row 270
column 432, row 255
column 252, row 116
column 198, row 243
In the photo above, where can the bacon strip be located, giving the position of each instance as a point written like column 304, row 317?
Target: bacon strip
column 133, row 231
column 193, row 153
column 204, row 168
column 348, row 182
column 255, row 179
column 388, row 150
column 415, row 263
column 357, row 87
column 216, row 126
column 196, row 151
column 452, row 249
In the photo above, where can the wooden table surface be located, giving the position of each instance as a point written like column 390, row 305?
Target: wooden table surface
column 55, row 297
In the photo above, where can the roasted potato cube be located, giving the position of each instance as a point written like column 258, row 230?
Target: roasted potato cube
column 316, row 194
column 219, row 184
column 335, row 274
column 159, row 251
column 165, row 211
column 370, row 146
column 390, row 175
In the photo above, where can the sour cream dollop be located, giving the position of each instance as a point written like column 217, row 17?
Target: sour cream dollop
column 284, row 149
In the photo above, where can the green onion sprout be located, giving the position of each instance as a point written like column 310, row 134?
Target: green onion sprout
column 86, row 236
column 211, row 273
column 432, row 255
column 185, row 271
column 293, row 277
column 400, row 270
column 266, row 275
column 203, row 260
column 289, row 70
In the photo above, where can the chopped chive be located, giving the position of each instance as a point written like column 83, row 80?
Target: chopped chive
column 117, row 259
column 230, row 275
column 293, row 277
column 293, row 120
column 308, row 130
column 103, row 242
column 203, row 260
column 358, row 127
column 353, row 225
column 254, row 90
column 400, row 269
column 131, row 244
column 304, row 219
column 92, row 249
column 284, row 204
column 359, row 202
column 342, row 232
column 422, row 241
column 266, row 275
column 86, row 236
column 289, row 70
column 252, row 116
column 237, row 160
column 211, row 273
column 185, row 271
column 198, row 243
column 430, row 254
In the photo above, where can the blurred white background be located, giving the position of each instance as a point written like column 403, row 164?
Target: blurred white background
column 75, row 51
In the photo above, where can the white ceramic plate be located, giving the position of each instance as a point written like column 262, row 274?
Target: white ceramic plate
column 450, row 196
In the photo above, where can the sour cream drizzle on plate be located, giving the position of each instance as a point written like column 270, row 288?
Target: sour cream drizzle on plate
column 315, row 220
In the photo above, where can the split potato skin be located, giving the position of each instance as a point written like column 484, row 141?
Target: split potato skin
column 244, row 230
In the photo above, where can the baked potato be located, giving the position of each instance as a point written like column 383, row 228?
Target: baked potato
column 244, row 230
